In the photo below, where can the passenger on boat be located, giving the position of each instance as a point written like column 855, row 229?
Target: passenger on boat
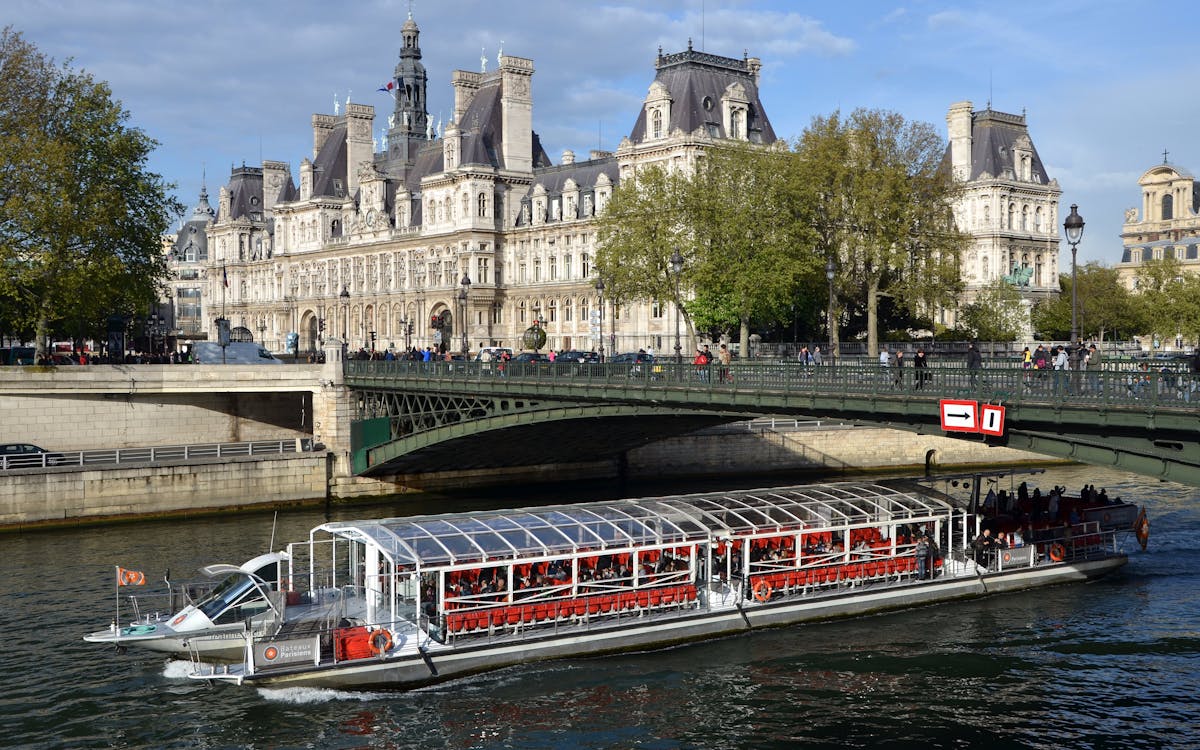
column 984, row 546
column 1015, row 539
column 922, row 552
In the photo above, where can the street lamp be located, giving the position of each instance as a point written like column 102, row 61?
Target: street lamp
column 462, row 297
column 829, row 270
column 676, row 269
column 1074, row 227
column 345, row 295
column 600, row 304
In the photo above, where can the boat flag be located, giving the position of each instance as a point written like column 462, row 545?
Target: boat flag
column 1141, row 528
column 127, row 577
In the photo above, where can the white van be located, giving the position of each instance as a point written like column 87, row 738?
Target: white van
column 236, row 353
column 494, row 351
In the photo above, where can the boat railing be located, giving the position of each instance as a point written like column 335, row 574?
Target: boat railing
column 1080, row 542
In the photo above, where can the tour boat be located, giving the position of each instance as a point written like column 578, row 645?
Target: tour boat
column 402, row 602
column 205, row 620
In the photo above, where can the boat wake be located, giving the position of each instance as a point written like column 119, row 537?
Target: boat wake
column 302, row 696
column 177, row 669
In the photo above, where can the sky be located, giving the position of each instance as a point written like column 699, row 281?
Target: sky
column 1106, row 86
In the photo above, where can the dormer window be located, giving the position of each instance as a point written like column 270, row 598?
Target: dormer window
column 656, row 124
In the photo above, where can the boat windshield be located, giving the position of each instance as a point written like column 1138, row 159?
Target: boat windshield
column 233, row 599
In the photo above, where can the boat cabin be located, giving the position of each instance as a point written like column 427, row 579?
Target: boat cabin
column 453, row 575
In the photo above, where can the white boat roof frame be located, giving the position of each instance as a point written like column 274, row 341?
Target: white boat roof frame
column 477, row 537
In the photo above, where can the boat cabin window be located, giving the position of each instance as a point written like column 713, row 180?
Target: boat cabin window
column 236, row 598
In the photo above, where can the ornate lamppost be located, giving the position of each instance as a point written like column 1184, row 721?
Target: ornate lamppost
column 676, row 269
column 1074, row 228
column 600, row 304
column 345, row 296
column 462, row 296
column 829, row 274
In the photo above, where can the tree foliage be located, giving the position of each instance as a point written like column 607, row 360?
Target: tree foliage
column 1106, row 309
column 1168, row 300
column 80, row 215
column 996, row 313
column 882, row 200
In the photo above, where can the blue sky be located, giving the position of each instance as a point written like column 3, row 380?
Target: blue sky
column 1106, row 86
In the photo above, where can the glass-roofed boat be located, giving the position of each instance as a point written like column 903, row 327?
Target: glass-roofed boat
column 401, row 602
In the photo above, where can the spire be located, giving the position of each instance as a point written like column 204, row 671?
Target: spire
column 204, row 211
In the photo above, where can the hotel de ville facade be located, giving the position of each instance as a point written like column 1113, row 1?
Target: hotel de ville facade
column 375, row 242
column 465, row 238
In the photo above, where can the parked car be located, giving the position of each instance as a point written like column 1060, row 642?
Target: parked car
column 639, row 363
column 494, row 351
column 528, row 357
column 27, row 455
column 632, row 358
column 578, row 356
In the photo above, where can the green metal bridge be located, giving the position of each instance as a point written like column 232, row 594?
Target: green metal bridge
column 434, row 416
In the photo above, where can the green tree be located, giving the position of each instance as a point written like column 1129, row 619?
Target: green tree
column 1168, row 300
column 80, row 215
column 1105, row 307
column 881, row 199
column 996, row 313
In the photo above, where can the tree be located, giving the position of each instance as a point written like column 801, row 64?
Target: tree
column 733, row 220
column 1168, row 300
column 80, row 215
column 883, row 197
column 1105, row 306
column 996, row 314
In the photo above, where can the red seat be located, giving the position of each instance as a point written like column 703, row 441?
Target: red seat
column 512, row 615
column 593, row 605
column 565, row 610
column 498, row 617
column 655, row 597
column 643, row 599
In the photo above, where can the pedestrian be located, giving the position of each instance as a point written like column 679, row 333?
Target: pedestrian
column 974, row 363
column 816, row 355
column 920, row 365
column 725, row 358
column 898, row 379
column 1094, row 363
column 1061, row 366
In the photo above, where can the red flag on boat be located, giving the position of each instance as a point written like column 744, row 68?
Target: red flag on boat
column 126, row 577
column 1141, row 528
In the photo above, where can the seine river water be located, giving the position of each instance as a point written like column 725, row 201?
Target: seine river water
column 1111, row 664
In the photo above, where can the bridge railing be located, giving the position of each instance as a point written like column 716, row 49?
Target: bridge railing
column 152, row 455
column 1146, row 389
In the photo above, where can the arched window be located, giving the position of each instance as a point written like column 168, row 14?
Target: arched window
column 1024, row 218
column 735, row 124
column 1037, row 219
column 482, row 205
column 1168, row 207
column 1012, row 214
column 983, row 264
column 521, row 312
column 552, row 316
column 656, row 123
column 568, row 310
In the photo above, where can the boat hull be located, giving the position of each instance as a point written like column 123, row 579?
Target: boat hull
column 440, row 662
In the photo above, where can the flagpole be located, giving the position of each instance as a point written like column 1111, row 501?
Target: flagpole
column 117, row 596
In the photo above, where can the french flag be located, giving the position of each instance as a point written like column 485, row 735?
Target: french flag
column 387, row 87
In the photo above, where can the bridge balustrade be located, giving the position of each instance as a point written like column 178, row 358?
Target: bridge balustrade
column 997, row 384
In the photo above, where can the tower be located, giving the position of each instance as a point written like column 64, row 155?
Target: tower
column 410, row 119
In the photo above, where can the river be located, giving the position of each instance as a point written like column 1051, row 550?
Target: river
column 1110, row 664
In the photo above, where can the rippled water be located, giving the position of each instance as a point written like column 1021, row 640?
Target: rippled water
column 1111, row 664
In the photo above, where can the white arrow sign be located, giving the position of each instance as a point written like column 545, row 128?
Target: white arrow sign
column 959, row 416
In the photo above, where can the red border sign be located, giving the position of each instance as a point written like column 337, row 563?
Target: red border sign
column 992, row 420
column 959, row 416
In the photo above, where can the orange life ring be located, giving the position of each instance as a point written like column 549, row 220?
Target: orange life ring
column 762, row 591
column 1006, row 557
column 381, row 642
column 1058, row 553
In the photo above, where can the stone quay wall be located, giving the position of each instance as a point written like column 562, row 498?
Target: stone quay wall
column 60, row 496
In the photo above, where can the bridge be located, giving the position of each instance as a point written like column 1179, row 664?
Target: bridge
column 414, row 416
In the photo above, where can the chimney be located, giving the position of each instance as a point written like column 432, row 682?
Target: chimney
column 958, row 129
column 465, row 83
column 360, row 119
column 322, row 126
column 516, row 113
column 568, row 157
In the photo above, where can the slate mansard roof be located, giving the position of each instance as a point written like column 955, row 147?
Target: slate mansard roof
column 697, row 81
column 994, row 135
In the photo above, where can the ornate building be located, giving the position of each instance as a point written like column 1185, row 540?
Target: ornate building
column 1008, row 204
column 1168, row 225
column 455, row 239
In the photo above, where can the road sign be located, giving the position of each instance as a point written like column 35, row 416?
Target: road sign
column 959, row 416
column 992, row 420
